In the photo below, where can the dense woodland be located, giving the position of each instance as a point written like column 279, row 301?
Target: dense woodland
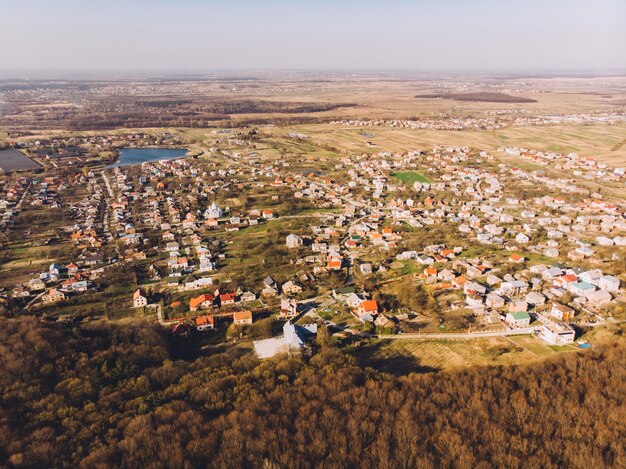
column 105, row 395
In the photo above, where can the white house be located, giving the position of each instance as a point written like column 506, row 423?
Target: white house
column 562, row 312
column 557, row 334
column 294, row 241
column 519, row 319
column 494, row 301
column 608, row 283
column 140, row 300
column 535, row 298
column 591, row 276
column 522, row 238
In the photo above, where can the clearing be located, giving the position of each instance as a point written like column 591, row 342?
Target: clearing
column 410, row 177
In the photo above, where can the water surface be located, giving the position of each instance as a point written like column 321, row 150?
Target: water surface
column 129, row 156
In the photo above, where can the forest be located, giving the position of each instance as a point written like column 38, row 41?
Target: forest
column 130, row 395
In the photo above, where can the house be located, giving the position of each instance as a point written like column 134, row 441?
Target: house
column 181, row 329
column 474, row 287
column 291, row 288
column 425, row 260
column 173, row 280
column 522, row 238
column 53, row 296
column 334, row 264
column 296, row 336
column 342, row 293
column 518, row 307
column 294, row 339
column 228, row 298
column 430, row 272
column 201, row 302
column 367, row 307
column 562, row 312
column 446, row 275
column 353, row 300
column 289, row 307
column 294, row 241
column 140, row 299
column 36, row 284
column 565, row 281
column 552, row 273
column 494, row 301
column 591, row 276
column 270, row 282
column 366, row 269
column 242, row 317
column 205, row 323
column 269, row 291
column 459, row 281
column 517, row 320
column 608, row 283
column 493, row 280
column 582, row 288
column 557, row 334
column 172, row 247
column 474, row 301
column 94, row 259
column 247, row 297
column 513, row 287
column 516, row 258
column 385, row 322
column 599, row 298
column 535, row 298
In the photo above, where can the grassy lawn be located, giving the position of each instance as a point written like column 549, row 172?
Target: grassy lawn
column 410, row 177
column 406, row 355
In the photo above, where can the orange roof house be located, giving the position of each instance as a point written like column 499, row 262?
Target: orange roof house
column 334, row 264
column 201, row 301
column 242, row 317
column 367, row 306
column 460, row 281
column 205, row 322
column 227, row 298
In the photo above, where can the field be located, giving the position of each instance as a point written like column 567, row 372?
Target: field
column 14, row 160
column 603, row 142
column 406, row 355
column 410, row 177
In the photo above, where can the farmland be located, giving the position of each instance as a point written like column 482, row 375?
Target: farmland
column 396, row 356
column 13, row 160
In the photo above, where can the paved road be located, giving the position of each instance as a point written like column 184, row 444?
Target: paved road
column 21, row 201
column 109, row 198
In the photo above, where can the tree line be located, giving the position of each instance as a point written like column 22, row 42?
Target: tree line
column 105, row 395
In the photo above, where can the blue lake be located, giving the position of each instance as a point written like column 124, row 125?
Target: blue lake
column 130, row 156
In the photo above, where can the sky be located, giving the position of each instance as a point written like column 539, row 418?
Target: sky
column 195, row 35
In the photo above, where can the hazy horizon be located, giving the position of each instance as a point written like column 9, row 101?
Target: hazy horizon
column 194, row 36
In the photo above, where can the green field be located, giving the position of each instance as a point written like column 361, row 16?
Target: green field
column 410, row 177
column 407, row 355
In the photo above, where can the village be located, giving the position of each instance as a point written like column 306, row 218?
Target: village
column 438, row 241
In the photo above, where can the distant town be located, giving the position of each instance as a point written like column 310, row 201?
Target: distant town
column 263, row 233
